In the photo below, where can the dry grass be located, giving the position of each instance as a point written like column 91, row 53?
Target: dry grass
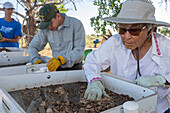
column 47, row 50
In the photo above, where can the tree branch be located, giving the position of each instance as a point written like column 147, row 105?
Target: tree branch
column 37, row 6
column 22, row 5
column 74, row 4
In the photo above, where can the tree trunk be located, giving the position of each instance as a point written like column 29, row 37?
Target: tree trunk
column 31, row 27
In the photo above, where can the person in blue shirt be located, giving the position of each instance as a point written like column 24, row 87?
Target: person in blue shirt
column 9, row 28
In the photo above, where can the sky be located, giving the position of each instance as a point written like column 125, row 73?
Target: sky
column 86, row 10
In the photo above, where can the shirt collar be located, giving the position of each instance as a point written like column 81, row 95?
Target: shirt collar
column 66, row 20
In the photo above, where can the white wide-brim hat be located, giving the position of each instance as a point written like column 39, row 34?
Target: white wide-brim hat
column 136, row 11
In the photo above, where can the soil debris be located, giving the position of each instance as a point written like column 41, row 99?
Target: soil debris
column 68, row 98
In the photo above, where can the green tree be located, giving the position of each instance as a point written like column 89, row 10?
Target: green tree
column 111, row 8
column 165, row 31
column 105, row 8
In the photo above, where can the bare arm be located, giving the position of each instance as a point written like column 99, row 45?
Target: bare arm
column 15, row 39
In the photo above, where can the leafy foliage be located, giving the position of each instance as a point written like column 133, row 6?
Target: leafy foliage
column 61, row 8
column 106, row 8
column 111, row 8
column 165, row 31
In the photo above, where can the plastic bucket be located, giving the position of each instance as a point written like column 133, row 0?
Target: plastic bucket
column 86, row 52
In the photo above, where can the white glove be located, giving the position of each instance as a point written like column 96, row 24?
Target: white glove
column 95, row 90
column 151, row 81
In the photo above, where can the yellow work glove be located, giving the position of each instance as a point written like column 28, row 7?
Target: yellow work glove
column 54, row 63
column 38, row 62
column 95, row 90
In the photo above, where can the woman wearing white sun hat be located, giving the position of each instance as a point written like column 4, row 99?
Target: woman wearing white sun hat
column 136, row 53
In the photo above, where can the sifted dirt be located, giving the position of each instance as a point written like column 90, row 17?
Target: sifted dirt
column 65, row 98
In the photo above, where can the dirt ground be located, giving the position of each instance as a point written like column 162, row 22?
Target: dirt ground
column 65, row 98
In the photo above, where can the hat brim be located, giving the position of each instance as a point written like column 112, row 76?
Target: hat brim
column 44, row 25
column 133, row 21
column 9, row 8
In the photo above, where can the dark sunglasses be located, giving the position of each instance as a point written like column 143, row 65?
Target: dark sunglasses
column 133, row 31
